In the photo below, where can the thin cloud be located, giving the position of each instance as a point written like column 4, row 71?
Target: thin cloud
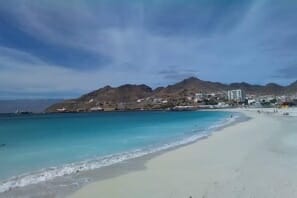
column 95, row 43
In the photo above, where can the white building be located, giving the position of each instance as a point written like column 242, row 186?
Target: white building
column 236, row 95
column 96, row 109
column 140, row 100
column 198, row 97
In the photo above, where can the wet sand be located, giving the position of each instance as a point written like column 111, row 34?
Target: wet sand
column 256, row 158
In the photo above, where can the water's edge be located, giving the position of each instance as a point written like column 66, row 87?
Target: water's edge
column 79, row 175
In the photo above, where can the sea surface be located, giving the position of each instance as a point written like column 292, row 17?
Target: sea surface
column 39, row 148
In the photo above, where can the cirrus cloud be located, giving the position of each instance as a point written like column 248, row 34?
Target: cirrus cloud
column 61, row 47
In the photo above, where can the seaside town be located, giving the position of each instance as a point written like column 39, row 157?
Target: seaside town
column 228, row 99
column 216, row 100
column 188, row 94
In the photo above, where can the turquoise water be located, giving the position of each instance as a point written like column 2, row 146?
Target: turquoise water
column 39, row 147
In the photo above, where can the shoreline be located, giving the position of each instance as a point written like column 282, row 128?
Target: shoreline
column 113, row 170
column 114, row 111
column 158, row 166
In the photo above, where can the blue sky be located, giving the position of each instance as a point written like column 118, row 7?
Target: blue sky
column 53, row 48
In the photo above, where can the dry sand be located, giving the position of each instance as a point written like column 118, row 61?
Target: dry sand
column 252, row 159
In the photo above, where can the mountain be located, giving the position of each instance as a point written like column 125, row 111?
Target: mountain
column 273, row 89
column 123, row 93
column 131, row 97
column 107, row 97
column 193, row 85
column 248, row 88
column 292, row 87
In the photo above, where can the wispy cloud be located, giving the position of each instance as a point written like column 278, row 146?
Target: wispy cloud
column 82, row 45
column 22, row 73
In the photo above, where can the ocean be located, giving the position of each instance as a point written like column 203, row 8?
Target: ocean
column 41, row 147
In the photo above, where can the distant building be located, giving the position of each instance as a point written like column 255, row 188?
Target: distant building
column 251, row 101
column 164, row 101
column 96, row 109
column 236, row 95
column 140, row 100
column 61, row 109
column 198, row 97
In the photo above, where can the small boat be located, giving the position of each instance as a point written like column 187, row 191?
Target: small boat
column 23, row 112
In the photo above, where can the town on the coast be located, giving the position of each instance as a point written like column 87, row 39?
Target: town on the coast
column 189, row 94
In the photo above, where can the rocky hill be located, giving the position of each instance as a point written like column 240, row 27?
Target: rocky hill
column 292, row 87
column 133, row 97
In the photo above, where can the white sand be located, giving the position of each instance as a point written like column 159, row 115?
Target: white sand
column 277, row 111
column 253, row 159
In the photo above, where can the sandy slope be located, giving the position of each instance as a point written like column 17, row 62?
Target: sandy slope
column 257, row 158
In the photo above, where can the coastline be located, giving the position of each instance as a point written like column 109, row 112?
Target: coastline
column 229, row 164
column 54, row 188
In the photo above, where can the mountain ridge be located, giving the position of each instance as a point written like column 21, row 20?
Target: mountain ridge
column 131, row 96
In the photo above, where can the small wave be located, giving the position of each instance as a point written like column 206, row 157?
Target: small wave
column 225, row 122
column 53, row 172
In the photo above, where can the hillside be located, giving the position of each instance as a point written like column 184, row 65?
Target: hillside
column 132, row 97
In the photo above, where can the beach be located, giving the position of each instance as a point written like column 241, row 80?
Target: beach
column 255, row 158
column 60, row 153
